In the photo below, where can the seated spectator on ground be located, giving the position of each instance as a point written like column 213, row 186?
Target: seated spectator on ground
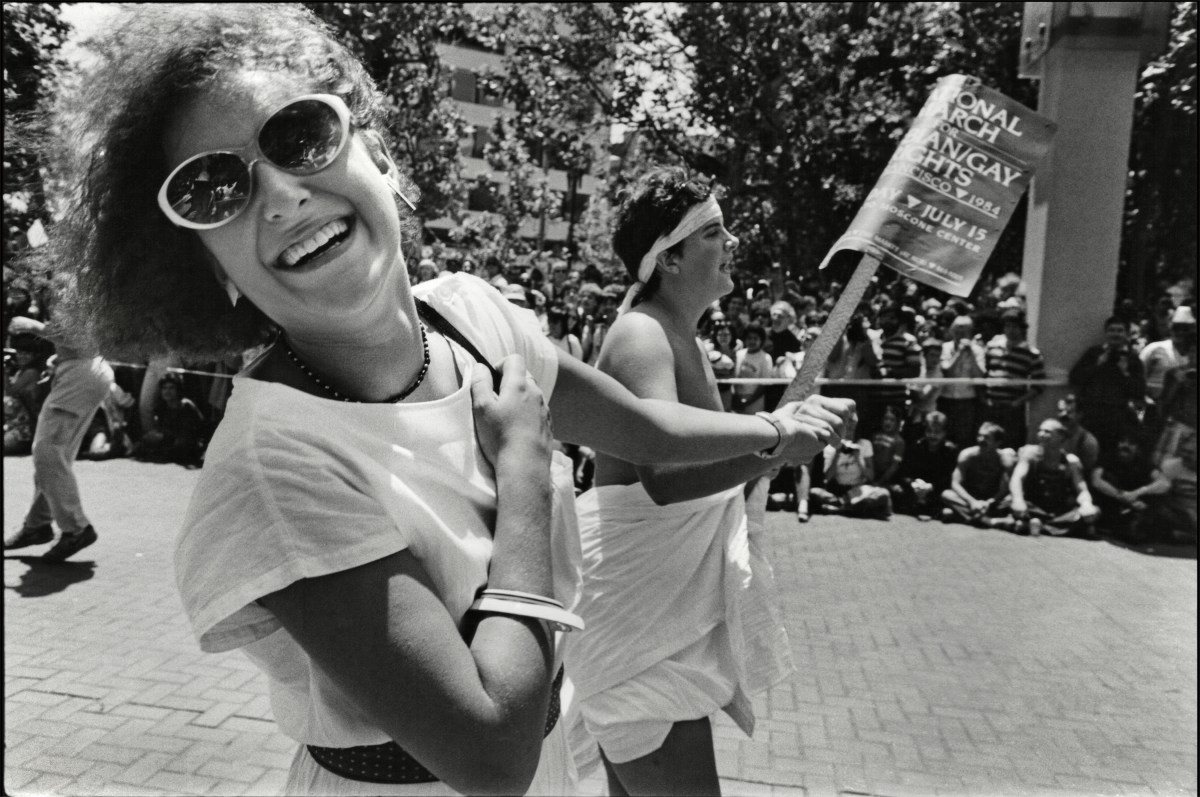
column 1176, row 513
column 926, row 470
column 108, row 436
column 1126, row 485
column 27, row 382
column 978, row 492
column 1079, row 441
column 889, row 447
column 1048, row 490
column 848, row 481
column 1178, row 407
column 178, row 432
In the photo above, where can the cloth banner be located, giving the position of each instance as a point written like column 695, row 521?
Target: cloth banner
column 951, row 186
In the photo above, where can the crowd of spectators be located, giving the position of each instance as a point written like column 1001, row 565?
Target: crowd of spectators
column 1118, row 456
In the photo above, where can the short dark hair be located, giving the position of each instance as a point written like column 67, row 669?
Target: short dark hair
column 653, row 206
column 143, row 286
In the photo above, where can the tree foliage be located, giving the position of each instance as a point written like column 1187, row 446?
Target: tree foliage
column 801, row 105
column 34, row 34
column 1159, row 236
column 398, row 43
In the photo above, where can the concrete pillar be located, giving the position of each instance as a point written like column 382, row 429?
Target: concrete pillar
column 1073, row 231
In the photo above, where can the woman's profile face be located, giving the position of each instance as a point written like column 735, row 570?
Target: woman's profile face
column 339, row 283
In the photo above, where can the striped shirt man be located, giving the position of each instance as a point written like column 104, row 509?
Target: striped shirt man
column 899, row 358
column 1008, row 359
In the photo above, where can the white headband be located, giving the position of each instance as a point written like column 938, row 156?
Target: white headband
column 694, row 219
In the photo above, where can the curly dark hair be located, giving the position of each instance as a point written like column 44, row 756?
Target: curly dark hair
column 143, row 286
column 652, row 206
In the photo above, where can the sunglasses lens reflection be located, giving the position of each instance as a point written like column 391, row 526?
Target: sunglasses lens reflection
column 303, row 137
column 210, row 188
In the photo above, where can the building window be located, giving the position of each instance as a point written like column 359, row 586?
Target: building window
column 480, row 140
column 483, row 197
column 463, row 85
column 581, row 203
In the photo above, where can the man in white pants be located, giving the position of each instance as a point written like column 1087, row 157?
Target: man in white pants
column 82, row 379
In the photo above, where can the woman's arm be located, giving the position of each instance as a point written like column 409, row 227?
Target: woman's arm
column 591, row 408
column 473, row 712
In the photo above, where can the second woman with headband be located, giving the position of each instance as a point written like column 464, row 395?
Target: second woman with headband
column 679, row 617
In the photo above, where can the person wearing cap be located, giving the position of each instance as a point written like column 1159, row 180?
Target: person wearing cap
column 962, row 358
column 1009, row 356
column 426, row 270
column 675, row 595
column 1160, row 356
column 515, row 293
column 1110, row 383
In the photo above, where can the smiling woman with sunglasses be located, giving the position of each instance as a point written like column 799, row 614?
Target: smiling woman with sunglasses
column 379, row 524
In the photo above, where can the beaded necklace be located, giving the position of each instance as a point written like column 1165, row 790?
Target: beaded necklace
column 403, row 394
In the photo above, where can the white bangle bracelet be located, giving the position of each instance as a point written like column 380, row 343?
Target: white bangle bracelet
column 559, row 619
column 523, row 597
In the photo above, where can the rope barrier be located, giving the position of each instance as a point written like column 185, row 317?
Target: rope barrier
column 774, row 380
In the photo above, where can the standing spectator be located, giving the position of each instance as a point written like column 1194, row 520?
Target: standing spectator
column 962, row 358
column 979, row 485
column 556, row 317
column 1162, row 355
column 81, row 383
column 493, row 272
column 927, row 470
column 853, row 357
column 784, row 338
column 1011, row 357
column 515, row 293
column 752, row 362
column 925, row 396
column 722, row 356
column 426, row 270
column 1048, row 489
column 899, row 357
column 1127, row 484
column 1110, row 381
column 1079, row 441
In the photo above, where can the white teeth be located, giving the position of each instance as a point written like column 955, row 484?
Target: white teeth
column 293, row 254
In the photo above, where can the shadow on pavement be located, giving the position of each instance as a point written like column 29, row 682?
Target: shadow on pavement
column 46, row 578
column 1170, row 550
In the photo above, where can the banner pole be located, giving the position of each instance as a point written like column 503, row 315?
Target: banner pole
column 817, row 354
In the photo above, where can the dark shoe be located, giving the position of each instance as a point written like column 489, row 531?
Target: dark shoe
column 69, row 544
column 30, row 535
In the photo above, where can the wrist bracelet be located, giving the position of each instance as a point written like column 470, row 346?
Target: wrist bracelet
column 780, row 444
column 559, row 619
column 522, row 597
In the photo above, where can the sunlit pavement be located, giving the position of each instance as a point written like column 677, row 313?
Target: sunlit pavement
column 931, row 659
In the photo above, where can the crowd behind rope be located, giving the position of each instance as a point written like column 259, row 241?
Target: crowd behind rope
column 1118, row 455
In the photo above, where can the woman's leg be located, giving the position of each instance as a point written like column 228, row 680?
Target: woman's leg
column 684, row 765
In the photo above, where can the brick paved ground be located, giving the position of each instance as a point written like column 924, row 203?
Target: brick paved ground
column 932, row 660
